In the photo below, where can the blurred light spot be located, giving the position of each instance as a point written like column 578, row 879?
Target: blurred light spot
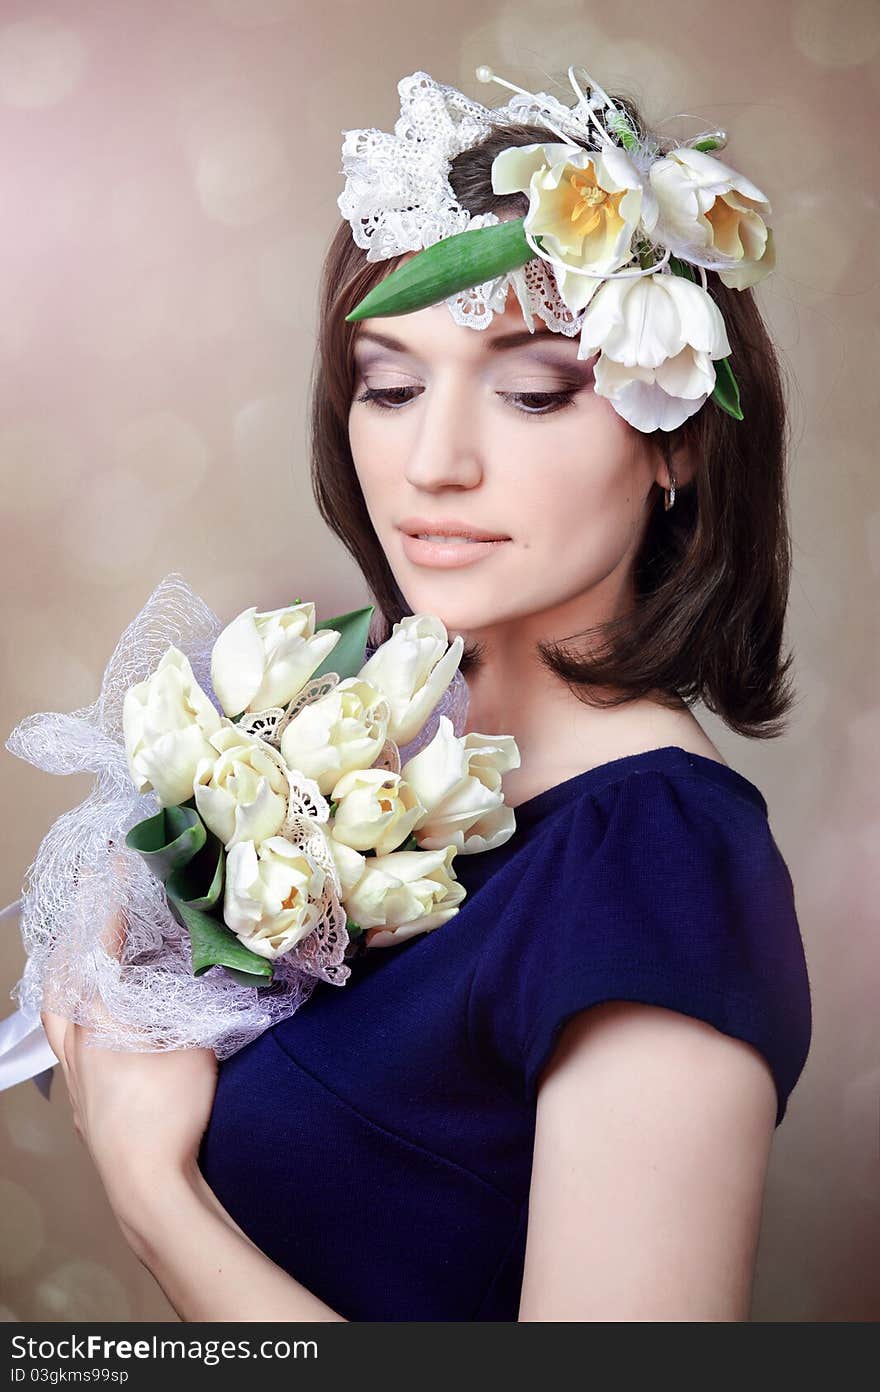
column 287, row 294
column 81, row 1290
column 525, row 45
column 217, row 301
column 811, row 703
column 835, row 36
column 139, row 217
column 858, row 1132
column 127, row 312
column 47, row 676
column 40, row 62
column 18, row 323
column 872, row 530
column 240, row 166
column 164, row 451
column 42, row 467
column 21, row 1233
column 264, row 433
column 7, row 1316
column 251, row 14
column 110, row 530
column 28, row 1122
column 801, row 231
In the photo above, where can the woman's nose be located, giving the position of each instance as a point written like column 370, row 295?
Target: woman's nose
column 445, row 450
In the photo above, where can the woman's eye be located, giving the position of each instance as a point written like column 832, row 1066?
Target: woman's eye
column 540, row 403
column 533, row 403
column 388, row 398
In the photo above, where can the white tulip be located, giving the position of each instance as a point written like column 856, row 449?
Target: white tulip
column 412, row 669
column 404, row 893
column 349, row 864
column 585, row 205
column 343, row 730
column 709, row 213
column 271, row 894
column 458, row 780
column 167, row 723
column 658, row 335
column 242, row 792
column 376, row 810
column 264, row 660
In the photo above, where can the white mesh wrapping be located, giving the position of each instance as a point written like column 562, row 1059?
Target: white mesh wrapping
column 83, row 874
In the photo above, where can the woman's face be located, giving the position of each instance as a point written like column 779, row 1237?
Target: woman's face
column 497, row 429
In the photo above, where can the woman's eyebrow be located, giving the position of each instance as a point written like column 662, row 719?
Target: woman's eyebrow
column 519, row 338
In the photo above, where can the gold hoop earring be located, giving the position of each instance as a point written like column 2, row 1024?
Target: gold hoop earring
column 669, row 493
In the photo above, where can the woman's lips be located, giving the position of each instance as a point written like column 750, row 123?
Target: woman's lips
column 447, row 554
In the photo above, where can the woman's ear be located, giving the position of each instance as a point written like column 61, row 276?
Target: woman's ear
column 675, row 453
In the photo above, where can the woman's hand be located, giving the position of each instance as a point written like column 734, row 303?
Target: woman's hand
column 141, row 1115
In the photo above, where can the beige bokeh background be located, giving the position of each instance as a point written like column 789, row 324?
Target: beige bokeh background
column 170, row 178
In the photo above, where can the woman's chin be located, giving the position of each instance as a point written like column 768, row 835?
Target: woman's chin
column 458, row 615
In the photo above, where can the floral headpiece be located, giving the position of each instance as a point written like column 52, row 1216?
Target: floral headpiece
column 609, row 249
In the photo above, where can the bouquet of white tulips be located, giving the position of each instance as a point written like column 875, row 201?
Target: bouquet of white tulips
column 295, row 801
column 304, row 800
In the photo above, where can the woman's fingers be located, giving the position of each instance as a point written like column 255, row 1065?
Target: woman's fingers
column 56, row 1027
column 114, row 932
column 60, row 1031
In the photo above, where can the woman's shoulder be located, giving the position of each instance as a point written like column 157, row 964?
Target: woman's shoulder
column 654, row 877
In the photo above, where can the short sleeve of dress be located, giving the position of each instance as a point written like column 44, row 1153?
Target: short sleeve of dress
column 665, row 889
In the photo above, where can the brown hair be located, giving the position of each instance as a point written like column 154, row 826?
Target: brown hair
column 712, row 574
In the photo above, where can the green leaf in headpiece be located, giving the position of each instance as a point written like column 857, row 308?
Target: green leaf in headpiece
column 726, row 393
column 452, row 264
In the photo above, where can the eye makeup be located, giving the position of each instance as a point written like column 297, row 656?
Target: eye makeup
column 370, row 348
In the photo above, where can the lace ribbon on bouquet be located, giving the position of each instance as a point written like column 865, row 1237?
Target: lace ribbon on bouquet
column 148, row 999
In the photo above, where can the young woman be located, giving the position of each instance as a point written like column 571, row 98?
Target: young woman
column 559, row 1105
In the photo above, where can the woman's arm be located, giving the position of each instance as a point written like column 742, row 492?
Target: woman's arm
column 652, row 1141
column 208, row 1268
column 142, row 1116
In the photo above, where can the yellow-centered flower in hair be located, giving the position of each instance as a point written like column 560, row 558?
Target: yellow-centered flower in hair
column 584, row 205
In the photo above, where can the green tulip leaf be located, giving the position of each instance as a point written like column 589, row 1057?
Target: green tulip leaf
column 454, row 263
column 199, row 883
column 168, row 840
column 347, row 657
column 682, row 268
column 246, row 978
column 212, row 944
column 726, row 393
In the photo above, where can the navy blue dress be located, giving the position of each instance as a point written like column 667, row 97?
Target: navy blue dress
column 378, row 1144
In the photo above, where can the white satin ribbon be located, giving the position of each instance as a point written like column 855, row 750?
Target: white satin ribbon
column 25, row 1052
